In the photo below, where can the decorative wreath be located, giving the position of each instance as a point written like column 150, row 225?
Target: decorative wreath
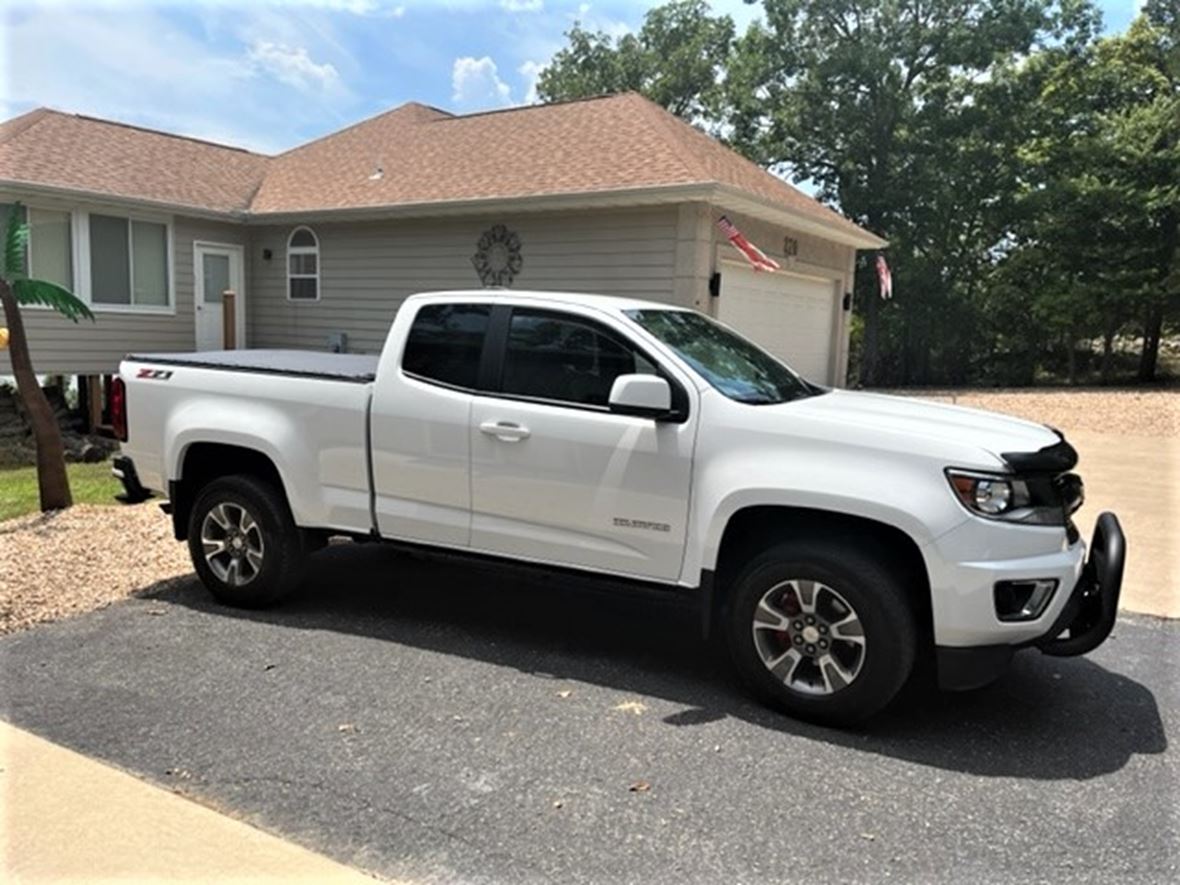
column 497, row 257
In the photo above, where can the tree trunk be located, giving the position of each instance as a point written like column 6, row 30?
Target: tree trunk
column 870, row 355
column 1152, row 330
column 1107, row 355
column 52, row 482
column 1071, row 355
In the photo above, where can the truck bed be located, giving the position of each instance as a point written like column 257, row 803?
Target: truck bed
column 356, row 367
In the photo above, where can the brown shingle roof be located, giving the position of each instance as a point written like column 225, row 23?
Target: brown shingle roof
column 75, row 152
column 603, row 144
column 591, row 146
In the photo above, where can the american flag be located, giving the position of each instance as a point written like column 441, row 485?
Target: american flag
column 885, row 277
column 758, row 259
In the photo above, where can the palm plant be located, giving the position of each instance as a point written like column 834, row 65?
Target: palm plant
column 16, row 288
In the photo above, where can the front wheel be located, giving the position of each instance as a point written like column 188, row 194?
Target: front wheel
column 823, row 632
column 244, row 544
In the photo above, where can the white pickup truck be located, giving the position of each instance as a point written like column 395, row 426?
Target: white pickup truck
column 833, row 537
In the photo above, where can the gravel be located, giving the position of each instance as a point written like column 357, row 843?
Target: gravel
column 1096, row 410
column 67, row 562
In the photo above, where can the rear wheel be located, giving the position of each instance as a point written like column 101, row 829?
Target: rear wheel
column 822, row 632
column 244, row 544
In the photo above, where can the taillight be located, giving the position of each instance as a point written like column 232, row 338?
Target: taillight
column 119, row 408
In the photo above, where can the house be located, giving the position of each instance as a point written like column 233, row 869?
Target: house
column 320, row 244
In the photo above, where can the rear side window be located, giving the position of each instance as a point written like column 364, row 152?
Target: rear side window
column 563, row 358
column 445, row 343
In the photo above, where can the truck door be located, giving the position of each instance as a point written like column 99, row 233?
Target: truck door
column 555, row 476
column 419, row 431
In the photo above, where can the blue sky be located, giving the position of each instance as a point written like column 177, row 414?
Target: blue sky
column 270, row 74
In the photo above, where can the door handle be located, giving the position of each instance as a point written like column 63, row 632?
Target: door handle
column 504, row 430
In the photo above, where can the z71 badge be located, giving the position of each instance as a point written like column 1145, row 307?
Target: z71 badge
column 154, row 374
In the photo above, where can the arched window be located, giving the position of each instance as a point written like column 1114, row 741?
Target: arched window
column 303, row 265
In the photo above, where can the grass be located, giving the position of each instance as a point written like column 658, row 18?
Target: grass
column 90, row 483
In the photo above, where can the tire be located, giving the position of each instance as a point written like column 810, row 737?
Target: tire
column 859, row 677
column 262, row 556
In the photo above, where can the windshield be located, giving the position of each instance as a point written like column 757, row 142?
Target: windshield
column 736, row 367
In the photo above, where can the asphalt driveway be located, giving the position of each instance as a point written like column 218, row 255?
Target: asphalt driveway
column 437, row 723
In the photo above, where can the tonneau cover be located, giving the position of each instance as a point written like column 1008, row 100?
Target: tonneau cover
column 356, row 367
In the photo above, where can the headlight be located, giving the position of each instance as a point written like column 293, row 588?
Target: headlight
column 1005, row 497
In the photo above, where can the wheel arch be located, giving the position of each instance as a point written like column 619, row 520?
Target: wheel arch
column 201, row 462
column 754, row 528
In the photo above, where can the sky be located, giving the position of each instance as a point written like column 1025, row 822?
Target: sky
column 271, row 74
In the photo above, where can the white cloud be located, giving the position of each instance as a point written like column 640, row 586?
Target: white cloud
column 476, row 83
column 141, row 66
column 588, row 20
column 292, row 65
column 522, row 5
column 530, row 71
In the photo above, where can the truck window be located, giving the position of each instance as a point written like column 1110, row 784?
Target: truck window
column 736, row 367
column 563, row 358
column 445, row 343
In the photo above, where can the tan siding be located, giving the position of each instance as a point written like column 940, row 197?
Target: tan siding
column 61, row 347
column 367, row 269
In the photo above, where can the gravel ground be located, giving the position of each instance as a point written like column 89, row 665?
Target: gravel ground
column 73, row 561
column 1097, row 410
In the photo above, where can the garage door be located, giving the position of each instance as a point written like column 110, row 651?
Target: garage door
column 791, row 316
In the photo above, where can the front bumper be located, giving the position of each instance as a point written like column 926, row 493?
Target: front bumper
column 1084, row 622
column 1089, row 615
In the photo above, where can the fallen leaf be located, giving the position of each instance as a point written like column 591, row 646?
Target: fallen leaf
column 564, row 694
column 639, row 787
column 636, row 707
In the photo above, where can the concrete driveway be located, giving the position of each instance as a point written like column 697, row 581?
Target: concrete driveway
column 439, row 724
column 1137, row 477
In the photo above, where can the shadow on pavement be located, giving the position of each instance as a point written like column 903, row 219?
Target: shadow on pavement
column 1047, row 719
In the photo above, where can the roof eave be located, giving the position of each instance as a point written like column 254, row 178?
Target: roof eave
column 619, row 197
column 75, row 193
column 738, row 200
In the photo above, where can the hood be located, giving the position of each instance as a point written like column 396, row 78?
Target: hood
column 906, row 416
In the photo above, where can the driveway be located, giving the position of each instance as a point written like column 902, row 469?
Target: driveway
column 440, row 724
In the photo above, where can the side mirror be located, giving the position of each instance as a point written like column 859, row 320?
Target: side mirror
column 645, row 396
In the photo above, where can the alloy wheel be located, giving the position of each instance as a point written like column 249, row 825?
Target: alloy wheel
column 232, row 543
column 809, row 637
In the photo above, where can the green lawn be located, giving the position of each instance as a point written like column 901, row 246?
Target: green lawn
column 90, row 483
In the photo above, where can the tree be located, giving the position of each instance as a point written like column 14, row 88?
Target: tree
column 16, row 288
column 676, row 60
column 870, row 101
column 1101, row 189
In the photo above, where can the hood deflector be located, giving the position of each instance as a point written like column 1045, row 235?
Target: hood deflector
column 1057, row 458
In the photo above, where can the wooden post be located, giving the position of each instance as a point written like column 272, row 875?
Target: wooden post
column 229, row 326
column 94, row 401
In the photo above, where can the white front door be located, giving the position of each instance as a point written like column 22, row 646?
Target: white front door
column 217, row 268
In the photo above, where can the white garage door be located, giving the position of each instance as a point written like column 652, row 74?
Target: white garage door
column 791, row 316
